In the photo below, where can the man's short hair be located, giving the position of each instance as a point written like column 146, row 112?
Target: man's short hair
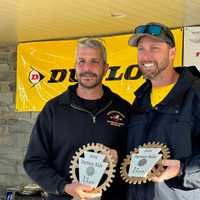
column 93, row 43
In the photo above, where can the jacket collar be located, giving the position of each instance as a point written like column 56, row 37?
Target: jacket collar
column 69, row 96
column 174, row 99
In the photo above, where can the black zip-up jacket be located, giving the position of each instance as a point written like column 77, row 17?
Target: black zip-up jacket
column 62, row 127
column 175, row 122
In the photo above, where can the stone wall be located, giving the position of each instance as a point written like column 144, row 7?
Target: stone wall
column 15, row 127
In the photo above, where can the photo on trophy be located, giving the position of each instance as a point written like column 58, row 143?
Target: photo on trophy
column 144, row 162
column 93, row 165
column 91, row 171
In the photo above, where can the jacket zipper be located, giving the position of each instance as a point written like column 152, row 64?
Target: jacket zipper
column 93, row 116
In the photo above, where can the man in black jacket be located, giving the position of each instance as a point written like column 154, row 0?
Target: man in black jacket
column 87, row 112
column 166, row 110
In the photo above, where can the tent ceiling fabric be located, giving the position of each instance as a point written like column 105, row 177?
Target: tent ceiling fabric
column 36, row 20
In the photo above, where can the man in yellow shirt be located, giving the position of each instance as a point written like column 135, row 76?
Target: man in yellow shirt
column 166, row 110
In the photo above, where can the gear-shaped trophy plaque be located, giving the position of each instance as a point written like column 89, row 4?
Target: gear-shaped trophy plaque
column 144, row 163
column 93, row 164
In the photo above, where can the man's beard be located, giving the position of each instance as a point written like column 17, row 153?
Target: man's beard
column 90, row 74
column 155, row 70
column 150, row 75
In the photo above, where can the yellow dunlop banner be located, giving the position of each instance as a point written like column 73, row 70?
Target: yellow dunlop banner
column 46, row 69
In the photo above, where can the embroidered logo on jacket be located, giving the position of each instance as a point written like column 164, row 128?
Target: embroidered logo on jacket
column 115, row 118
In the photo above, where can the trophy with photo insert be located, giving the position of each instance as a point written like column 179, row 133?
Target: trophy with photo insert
column 93, row 165
column 144, row 163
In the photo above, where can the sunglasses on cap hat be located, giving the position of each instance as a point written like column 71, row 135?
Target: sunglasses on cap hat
column 155, row 30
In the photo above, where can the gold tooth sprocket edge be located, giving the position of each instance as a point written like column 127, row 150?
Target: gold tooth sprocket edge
column 97, row 148
column 156, row 170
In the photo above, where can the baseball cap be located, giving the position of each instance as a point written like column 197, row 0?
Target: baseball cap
column 155, row 30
